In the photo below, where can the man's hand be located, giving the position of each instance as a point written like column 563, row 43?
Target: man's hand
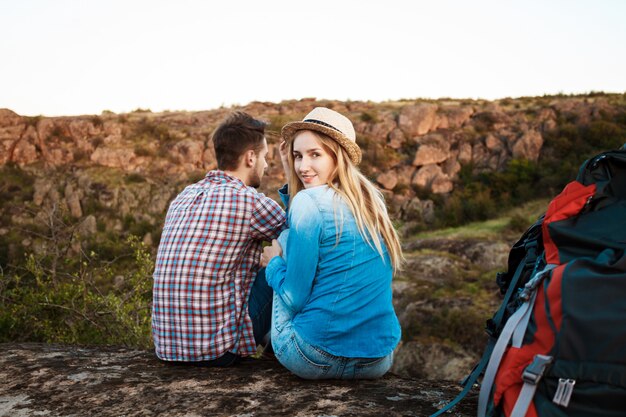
column 271, row 251
column 283, row 149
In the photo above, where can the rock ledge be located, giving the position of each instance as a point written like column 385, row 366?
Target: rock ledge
column 58, row 380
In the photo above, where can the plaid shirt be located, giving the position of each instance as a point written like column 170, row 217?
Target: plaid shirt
column 207, row 260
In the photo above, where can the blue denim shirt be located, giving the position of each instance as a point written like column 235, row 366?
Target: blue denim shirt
column 339, row 291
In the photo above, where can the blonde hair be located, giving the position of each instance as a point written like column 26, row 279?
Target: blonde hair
column 364, row 200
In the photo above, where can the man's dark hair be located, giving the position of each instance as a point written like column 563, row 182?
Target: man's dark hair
column 236, row 135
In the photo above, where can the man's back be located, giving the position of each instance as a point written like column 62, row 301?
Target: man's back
column 206, row 263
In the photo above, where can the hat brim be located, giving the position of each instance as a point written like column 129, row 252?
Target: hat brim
column 352, row 149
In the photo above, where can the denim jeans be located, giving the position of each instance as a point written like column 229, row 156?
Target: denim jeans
column 310, row 362
column 260, row 307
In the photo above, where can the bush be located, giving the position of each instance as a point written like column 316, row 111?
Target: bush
column 148, row 130
column 16, row 185
column 466, row 204
column 518, row 223
column 605, row 135
column 143, row 151
column 135, row 177
column 371, row 116
column 66, row 302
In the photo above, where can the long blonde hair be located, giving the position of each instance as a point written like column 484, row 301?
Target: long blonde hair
column 364, row 200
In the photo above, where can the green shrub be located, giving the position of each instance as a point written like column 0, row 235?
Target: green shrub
column 70, row 305
column 518, row 223
column 32, row 120
column 135, row 177
column 141, row 150
column 16, row 185
column 96, row 121
column 369, row 116
column 146, row 130
column 603, row 134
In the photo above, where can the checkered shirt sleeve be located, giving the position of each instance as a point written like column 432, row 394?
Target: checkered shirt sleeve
column 206, row 263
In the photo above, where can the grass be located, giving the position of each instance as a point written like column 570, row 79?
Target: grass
column 491, row 229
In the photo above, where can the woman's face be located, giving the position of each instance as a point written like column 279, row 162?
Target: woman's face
column 313, row 164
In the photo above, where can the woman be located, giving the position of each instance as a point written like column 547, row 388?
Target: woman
column 333, row 315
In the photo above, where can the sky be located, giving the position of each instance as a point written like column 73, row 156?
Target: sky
column 72, row 57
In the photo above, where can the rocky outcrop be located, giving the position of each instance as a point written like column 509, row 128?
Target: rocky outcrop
column 416, row 143
column 56, row 380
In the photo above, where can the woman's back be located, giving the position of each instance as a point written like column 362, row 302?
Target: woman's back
column 339, row 288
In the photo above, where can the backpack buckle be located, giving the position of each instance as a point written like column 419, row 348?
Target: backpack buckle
column 533, row 372
column 533, row 283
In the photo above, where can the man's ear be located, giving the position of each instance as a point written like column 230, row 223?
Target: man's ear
column 249, row 158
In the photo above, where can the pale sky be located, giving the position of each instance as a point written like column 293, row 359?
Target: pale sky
column 71, row 57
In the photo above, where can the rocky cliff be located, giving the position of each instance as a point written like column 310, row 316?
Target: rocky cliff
column 409, row 142
column 410, row 147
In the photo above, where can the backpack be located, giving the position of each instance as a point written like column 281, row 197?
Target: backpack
column 557, row 344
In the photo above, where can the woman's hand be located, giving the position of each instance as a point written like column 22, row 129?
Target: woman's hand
column 283, row 149
column 271, row 251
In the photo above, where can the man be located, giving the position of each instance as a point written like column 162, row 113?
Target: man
column 206, row 309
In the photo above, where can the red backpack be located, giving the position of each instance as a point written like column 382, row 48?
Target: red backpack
column 558, row 342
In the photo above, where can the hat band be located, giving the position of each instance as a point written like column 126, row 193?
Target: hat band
column 319, row 122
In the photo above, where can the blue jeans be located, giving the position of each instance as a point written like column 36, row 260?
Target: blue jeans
column 310, row 362
column 260, row 307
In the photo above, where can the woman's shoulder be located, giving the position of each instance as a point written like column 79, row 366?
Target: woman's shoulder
column 317, row 195
column 313, row 200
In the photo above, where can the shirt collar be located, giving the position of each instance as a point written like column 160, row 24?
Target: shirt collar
column 219, row 177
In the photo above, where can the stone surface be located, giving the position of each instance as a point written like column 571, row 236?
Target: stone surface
column 432, row 177
column 56, row 380
column 528, row 146
column 388, row 180
column 433, row 149
column 415, row 120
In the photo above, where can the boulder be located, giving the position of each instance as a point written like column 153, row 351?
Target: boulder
column 404, row 173
column 419, row 119
column 388, row 179
column 83, row 129
column 493, row 143
column 73, row 201
column 24, row 152
column 113, row 158
column 415, row 209
column 88, row 227
column 480, row 155
column 455, row 116
column 188, row 151
column 432, row 177
column 451, row 166
column 433, row 149
column 377, row 130
column 396, row 138
column 528, row 146
column 465, row 153
column 41, row 188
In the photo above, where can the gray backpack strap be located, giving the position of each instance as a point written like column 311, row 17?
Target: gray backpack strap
column 532, row 375
column 498, row 351
column 515, row 329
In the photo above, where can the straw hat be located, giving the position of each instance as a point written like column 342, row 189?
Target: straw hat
column 330, row 123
